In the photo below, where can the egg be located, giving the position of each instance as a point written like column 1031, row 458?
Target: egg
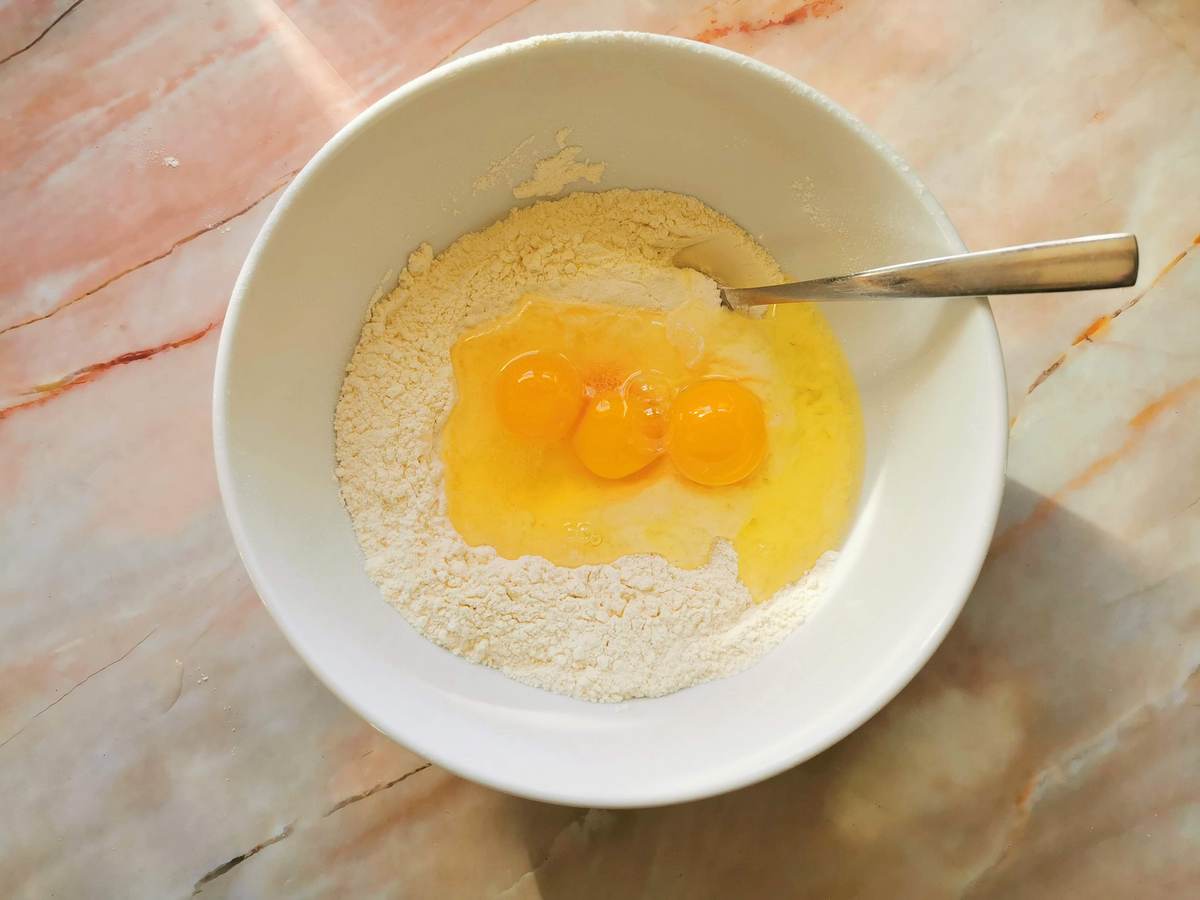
column 583, row 432
column 718, row 432
column 615, row 438
column 539, row 395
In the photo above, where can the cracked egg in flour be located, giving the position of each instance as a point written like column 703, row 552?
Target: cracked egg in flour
column 584, row 432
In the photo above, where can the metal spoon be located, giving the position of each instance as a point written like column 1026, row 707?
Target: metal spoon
column 1078, row 264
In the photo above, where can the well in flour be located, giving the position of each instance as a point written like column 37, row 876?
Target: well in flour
column 637, row 627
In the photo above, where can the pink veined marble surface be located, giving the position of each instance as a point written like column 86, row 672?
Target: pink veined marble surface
column 158, row 737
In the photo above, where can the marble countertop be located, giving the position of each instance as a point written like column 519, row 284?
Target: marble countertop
column 159, row 738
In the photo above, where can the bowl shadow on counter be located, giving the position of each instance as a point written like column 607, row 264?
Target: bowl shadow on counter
column 924, row 796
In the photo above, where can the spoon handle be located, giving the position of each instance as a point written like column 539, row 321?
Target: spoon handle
column 1078, row 264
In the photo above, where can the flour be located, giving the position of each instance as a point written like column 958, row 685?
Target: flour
column 503, row 166
column 638, row 627
column 552, row 174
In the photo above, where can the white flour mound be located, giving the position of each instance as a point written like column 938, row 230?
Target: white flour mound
column 638, row 627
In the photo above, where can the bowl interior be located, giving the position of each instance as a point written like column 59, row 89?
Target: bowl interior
column 820, row 194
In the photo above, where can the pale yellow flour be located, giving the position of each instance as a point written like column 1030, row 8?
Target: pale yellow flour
column 638, row 627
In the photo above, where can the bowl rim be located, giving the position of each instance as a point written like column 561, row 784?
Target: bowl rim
column 761, row 766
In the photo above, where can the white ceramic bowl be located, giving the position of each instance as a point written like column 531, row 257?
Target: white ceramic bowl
column 823, row 195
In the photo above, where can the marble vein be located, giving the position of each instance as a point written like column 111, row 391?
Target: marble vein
column 47, row 392
column 76, row 686
column 45, row 31
column 370, row 792
column 1179, row 23
column 226, row 866
column 571, row 838
column 292, row 826
column 1073, row 762
column 525, row 4
column 1099, row 325
column 1135, row 437
column 175, row 245
column 817, row 9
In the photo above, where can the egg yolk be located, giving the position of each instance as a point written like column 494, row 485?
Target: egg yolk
column 622, row 431
column 717, row 434
column 539, row 395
